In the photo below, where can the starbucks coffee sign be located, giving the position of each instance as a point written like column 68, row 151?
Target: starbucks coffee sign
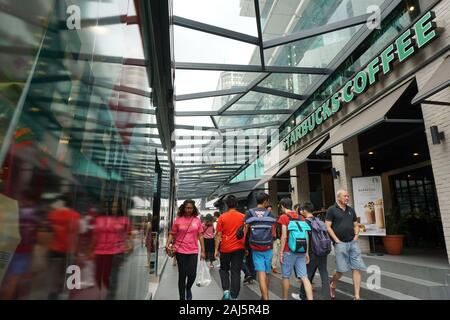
column 409, row 42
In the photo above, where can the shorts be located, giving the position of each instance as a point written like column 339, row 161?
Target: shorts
column 348, row 257
column 262, row 260
column 291, row 260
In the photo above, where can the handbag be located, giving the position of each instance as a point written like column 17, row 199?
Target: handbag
column 172, row 251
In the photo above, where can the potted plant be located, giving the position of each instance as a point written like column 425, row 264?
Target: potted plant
column 393, row 241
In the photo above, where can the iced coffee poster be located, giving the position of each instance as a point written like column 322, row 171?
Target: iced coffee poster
column 369, row 205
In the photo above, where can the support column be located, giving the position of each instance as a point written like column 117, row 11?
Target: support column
column 349, row 166
column 300, row 183
column 273, row 193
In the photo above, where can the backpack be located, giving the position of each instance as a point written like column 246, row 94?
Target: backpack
column 298, row 235
column 320, row 239
column 260, row 231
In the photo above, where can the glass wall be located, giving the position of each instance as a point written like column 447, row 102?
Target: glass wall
column 79, row 141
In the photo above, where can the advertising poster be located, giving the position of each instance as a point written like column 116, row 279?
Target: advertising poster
column 369, row 205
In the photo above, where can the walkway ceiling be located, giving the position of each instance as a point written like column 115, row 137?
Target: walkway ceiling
column 243, row 67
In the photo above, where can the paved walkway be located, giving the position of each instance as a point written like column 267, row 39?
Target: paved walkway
column 168, row 287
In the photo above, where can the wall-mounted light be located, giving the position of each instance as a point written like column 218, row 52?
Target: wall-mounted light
column 411, row 8
column 372, row 168
column 436, row 136
column 335, row 173
column 371, row 152
column 415, row 154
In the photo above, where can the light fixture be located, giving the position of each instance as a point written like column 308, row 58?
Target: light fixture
column 372, row 168
column 409, row 176
column 371, row 152
column 411, row 8
column 415, row 154
column 335, row 173
column 436, row 136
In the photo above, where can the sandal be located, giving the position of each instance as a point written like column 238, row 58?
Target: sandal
column 332, row 291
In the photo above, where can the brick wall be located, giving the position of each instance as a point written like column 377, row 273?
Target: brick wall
column 439, row 116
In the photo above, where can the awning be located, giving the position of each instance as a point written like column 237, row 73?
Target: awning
column 364, row 120
column 269, row 174
column 302, row 155
column 439, row 81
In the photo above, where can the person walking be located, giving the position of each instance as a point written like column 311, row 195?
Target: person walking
column 230, row 249
column 186, row 233
column 343, row 228
column 289, row 258
column 259, row 227
column 208, row 235
column 315, row 261
column 276, row 246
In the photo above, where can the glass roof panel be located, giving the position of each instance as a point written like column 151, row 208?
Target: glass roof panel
column 210, row 80
column 194, row 121
column 203, row 104
column 293, row 83
column 317, row 51
column 235, row 15
column 263, row 101
column 201, row 47
column 232, row 121
column 281, row 18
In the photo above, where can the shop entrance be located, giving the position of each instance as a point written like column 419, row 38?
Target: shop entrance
column 414, row 194
column 398, row 152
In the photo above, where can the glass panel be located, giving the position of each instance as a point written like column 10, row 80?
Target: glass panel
column 317, row 52
column 232, row 121
column 195, row 121
column 236, row 15
column 203, row 104
column 281, row 18
column 195, row 46
column 294, row 83
column 263, row 101
column 193, row 81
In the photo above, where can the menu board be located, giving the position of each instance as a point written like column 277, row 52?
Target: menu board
column 369, row 205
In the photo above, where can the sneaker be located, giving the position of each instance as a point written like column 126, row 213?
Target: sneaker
column 296, row 296
column 188, row 295
column 226, row 295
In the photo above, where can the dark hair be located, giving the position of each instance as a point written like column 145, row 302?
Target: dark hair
column 261, row 197
column 269, row 206
column 231, row 201
column 286, row 202
column 308, row 206
column 217, row 214
column 181, row 212
column 209, row 218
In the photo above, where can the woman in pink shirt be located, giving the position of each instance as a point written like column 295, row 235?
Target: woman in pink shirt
column 185, row 234
column 208, row 235
column 112, row 236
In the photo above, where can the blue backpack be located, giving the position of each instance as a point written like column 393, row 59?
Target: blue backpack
column 298, row 235
column 260, row 231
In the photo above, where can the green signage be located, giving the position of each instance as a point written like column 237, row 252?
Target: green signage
column 409, row 42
